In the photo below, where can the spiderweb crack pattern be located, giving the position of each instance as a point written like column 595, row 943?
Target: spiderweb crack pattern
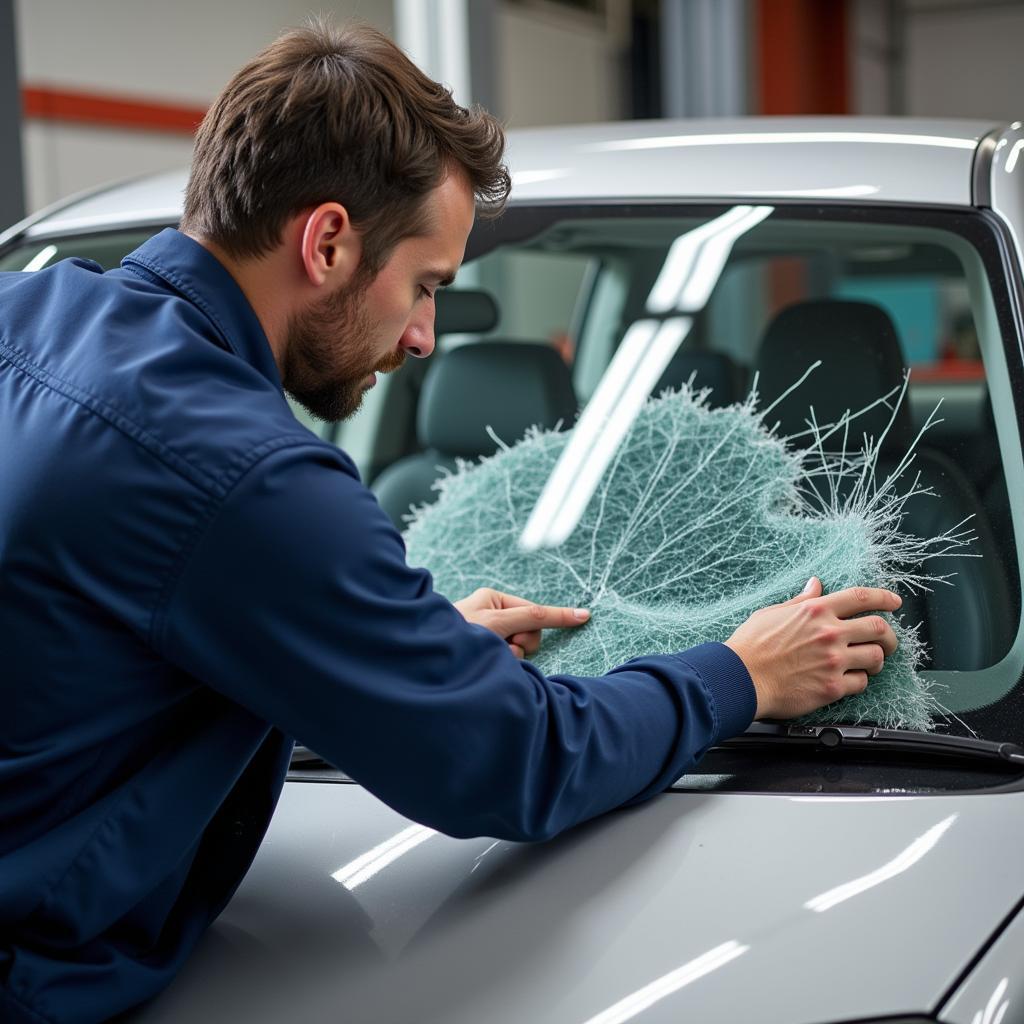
column 703, row 517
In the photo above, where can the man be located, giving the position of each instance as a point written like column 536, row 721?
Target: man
column 188, row 577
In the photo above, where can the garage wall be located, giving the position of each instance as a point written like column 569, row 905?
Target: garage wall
column 561, row 66
column 175, row 54
column 966, row 60
column 942, row 58
column 554, row 65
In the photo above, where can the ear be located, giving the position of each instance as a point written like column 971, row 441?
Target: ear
column 331, row 246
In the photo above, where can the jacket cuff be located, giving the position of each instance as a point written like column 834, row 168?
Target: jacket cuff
column 729, row 684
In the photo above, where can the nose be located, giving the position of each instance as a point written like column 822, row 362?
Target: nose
column 418, row 337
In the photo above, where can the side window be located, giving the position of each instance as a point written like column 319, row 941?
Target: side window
column 537, row 294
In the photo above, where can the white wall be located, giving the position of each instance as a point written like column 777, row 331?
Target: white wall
column 960, row 58
column 966, row 62
column 143, row 50
column 558, row 66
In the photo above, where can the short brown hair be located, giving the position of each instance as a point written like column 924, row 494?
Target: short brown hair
column 334, row 114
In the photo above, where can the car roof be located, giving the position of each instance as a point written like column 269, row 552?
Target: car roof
column 844, row 159
column 898, row 160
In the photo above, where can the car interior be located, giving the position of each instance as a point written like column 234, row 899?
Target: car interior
column 869, row 309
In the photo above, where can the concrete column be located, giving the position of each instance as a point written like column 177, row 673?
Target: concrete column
column 704, row 58
column 12, row 180
column 453, row 42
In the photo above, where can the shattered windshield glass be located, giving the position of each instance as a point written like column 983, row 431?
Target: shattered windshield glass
column 761, row 398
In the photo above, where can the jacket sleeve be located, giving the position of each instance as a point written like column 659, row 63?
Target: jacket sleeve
column 296, row 601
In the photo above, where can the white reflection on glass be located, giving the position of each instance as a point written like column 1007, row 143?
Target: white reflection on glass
column 1011, row 159
column 368, row 864
column 907, row 859
column 635, row 368
column 757, row 138
column 995, row 1011
column 533, row 177
column 647, row 996
column 41, row 258
column 691, row 270
column 682, row 257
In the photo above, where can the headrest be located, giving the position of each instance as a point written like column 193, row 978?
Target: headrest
column 860, row 362
column 713, row 370
column 464, row 311
column 506, row 385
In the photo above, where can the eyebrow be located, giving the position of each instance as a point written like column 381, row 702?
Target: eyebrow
column 444, row 277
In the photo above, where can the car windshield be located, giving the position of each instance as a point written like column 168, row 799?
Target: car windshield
column 738, row 294
column 743, row 293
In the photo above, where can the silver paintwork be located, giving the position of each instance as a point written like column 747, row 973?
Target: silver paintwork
column 815, row 909
column 1007, row 183
column 994, row 993
column 153, row 200
column 838, row 159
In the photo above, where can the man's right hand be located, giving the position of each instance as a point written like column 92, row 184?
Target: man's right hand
column 809, row 651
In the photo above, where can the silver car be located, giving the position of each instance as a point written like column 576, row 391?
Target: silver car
column 800, row 874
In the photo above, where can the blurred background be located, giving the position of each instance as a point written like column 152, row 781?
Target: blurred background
column 98, row 90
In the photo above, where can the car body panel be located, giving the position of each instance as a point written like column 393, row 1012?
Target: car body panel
column 1006, row 186
column 838, row 159
column 850, row 906
column 994, row 993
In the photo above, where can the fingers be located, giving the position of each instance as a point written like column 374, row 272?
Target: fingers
column 811, row 589
column 528, row 618
column 856, row 682
column 517, row 651
column 870, row 629
column 528, row 643
column 844, row 603
column 867, row 658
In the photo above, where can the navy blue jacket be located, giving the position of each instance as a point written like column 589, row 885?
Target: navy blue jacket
column 188, row 578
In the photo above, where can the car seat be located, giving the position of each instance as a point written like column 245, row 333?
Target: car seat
column 966, row 625
column 507, row 386
column 713, row 370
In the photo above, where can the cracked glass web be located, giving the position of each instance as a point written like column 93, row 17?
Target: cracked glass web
column 703, row 517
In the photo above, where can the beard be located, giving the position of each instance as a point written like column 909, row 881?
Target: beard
column 329, row 354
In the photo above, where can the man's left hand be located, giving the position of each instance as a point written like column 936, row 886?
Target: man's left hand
column 517, row 621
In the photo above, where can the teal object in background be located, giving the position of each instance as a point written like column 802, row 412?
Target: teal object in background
column 702, row 518
column 914, row 307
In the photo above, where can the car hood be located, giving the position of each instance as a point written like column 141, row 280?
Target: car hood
column 695, row 906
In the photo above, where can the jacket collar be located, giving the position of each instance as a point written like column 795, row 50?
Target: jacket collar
column 194, row 272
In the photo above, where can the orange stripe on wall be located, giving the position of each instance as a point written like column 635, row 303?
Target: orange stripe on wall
column 48, row 104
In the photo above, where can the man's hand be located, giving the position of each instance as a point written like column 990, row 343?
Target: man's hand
column 515, row 620
column 808, row 652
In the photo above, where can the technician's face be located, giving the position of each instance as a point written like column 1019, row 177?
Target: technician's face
column 335, row 349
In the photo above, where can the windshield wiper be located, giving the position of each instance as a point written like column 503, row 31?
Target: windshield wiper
column 860, row 737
